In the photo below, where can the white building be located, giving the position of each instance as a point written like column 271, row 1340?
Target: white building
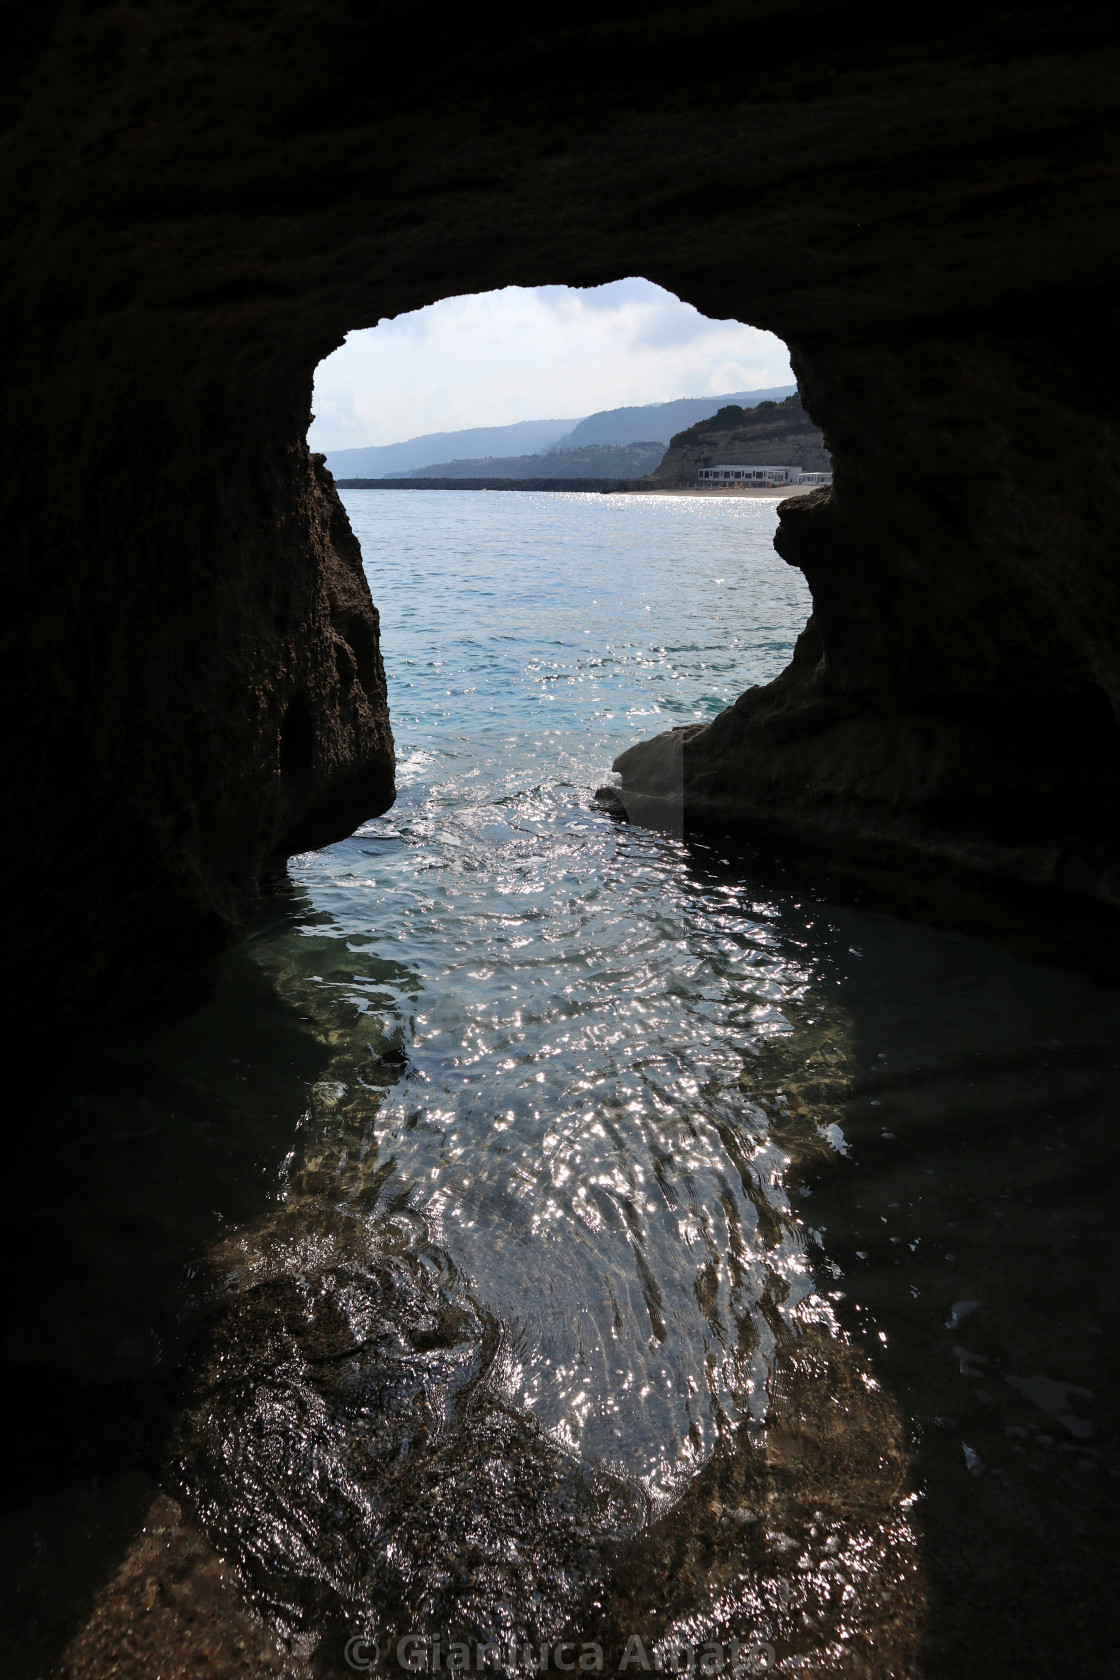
column 814, row 478
column 760, row 477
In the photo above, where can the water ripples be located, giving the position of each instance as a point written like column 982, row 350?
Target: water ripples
column 587, row 1237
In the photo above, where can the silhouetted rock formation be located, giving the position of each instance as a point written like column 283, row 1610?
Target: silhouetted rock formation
column 227, row 708
column 202, row 202
column 771, row 434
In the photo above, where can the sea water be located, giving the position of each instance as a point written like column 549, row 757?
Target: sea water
column 544, row 1228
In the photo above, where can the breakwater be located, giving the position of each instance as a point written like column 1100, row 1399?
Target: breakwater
column 579, row 484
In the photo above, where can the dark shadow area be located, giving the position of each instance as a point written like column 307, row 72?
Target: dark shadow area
column 962, row 1226
column 127, row 1163
column 1013, row 1407
column 970, row 1235
column 1031, row 924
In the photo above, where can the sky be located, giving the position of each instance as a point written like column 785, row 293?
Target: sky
column 532, row 354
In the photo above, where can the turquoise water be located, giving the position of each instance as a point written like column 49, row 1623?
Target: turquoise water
column 566, row 987
column 547, row 1228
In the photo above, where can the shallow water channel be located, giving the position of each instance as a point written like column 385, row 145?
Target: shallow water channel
column 544, row 1234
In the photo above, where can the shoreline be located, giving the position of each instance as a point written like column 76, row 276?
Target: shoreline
column 750, row 491
column 584, row 486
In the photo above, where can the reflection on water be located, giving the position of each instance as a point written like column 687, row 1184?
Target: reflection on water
column 493, row 1372
column 549, row 1229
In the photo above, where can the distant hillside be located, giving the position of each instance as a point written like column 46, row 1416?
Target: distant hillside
column 611, row 426
column 769, row 434
column 594, row 460
column 659, row 420
column 390, row 460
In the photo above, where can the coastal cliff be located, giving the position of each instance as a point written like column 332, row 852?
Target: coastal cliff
column 201, row 204
column 770, row 434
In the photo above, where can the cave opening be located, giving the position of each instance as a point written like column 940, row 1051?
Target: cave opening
column 475, row 372
column 511, row 357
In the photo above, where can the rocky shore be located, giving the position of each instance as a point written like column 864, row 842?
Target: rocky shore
column 770, row 434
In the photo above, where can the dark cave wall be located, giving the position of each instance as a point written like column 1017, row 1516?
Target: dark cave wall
column 953, row 703
column 197, row 682
column 959, row 529
column 972, row 583
column 199, row 204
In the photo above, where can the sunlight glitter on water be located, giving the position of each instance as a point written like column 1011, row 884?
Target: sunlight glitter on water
column 543, row 1224
column 586, row 1003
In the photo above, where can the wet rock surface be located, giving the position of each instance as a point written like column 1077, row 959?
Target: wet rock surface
column 356, row 1449
column 353, row 1447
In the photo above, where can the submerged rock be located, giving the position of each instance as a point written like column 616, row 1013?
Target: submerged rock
column 355, row 1447
column 356, row 1450
column 359, row 1449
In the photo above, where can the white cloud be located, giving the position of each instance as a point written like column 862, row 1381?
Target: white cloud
column 522, row 354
